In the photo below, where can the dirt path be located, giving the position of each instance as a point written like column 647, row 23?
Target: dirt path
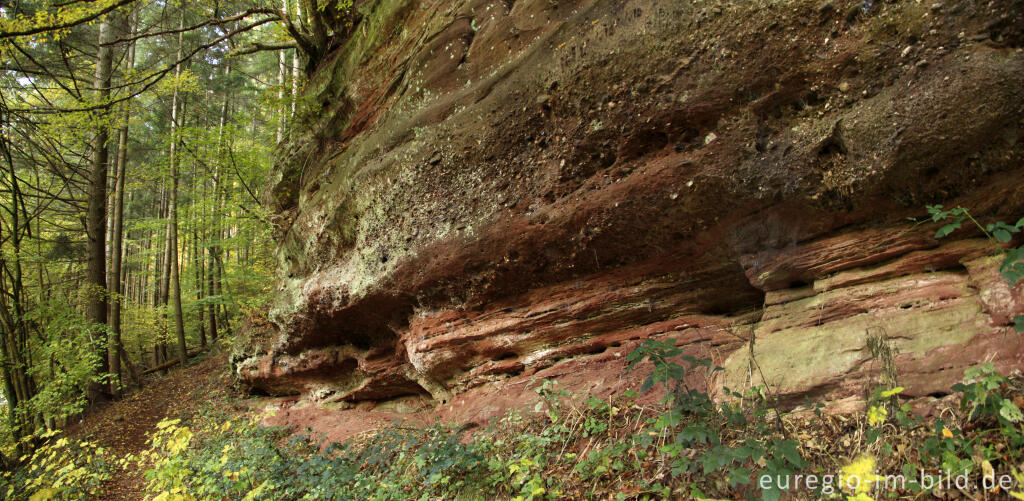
column 123, row 427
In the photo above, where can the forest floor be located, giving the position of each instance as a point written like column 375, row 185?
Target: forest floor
column 124, row 426
column 601, row 448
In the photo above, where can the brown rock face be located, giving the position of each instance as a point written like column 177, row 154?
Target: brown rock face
column 482, row 190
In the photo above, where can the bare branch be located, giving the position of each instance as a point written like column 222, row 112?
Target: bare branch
column 261, row 47
column 211, row 22
column 153, row 78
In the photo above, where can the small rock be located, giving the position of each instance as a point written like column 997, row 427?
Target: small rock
column 922, row 63
column 710, row 138
column 543, row 99
column 937, row 6
column 906, row 51
column 844, row 87
column 826, row 8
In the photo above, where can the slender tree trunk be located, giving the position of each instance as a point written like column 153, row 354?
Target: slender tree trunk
column 213, row 288
column 9, row 347
column 116, row 244
column 295, row 64
column 282, row 59
column 163, row 264
column 172, row 218
column 219, row 286
column 96, row 310
column 197, row 259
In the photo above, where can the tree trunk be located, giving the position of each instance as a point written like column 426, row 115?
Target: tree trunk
column 213, row 287
column 295, row 64
column 197, row 260
column 116, row 241
column 160, row 271
column 9, row 359
column 96, row 310
column 172, row 218
column 281, row 84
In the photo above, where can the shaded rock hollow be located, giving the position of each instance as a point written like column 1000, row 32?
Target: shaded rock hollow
column 482, row 190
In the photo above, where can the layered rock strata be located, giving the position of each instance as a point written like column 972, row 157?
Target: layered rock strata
column 481, row 189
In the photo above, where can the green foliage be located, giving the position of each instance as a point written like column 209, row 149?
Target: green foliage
column 239, row 459
column 71, row 346
column 1012, row 267
column 60, row 468
column 729, row 441
column 989, row 430
column 982, row 399
column 595, row 449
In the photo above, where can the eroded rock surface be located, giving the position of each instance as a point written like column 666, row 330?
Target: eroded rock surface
column 485, row 189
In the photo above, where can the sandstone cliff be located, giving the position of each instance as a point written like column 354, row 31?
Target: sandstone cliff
column 484, row 189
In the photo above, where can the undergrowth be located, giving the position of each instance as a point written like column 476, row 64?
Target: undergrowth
column 684, row 446
column 60, row 468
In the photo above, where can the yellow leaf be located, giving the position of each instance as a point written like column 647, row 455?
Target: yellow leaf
column 987, row 469
column 895, row 391
column 43, row 495
column 946, row 433
column 860, row 474
column 877, row 415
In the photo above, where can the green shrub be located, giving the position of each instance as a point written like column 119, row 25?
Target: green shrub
column 59, row 468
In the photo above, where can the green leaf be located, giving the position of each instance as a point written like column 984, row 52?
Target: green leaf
column 1002, row 235
column 1018, row 323
column 1010, row 412
column 772, row 493
column 788, row 450
column 947, row 229
column 739, row 476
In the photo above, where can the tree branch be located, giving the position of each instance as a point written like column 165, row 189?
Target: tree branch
column 260, row 47
column 63, row 26
column 152, row 78
column 212, row 22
